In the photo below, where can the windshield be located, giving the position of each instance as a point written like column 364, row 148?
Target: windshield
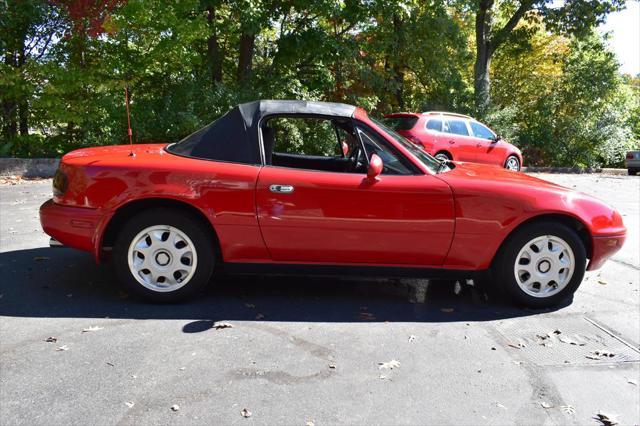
column 426, row 159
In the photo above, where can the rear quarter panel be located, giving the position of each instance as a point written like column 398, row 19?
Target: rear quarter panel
column 222, row 192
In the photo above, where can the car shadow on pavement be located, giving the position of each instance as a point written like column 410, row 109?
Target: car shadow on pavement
column 61, row 282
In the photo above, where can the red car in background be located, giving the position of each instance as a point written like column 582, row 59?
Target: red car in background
column 449, row 136
column 313, row 187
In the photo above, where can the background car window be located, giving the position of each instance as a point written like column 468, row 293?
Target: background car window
column 457, row 127
column 392, row 165
column 434, row 124
column 481, row 131
column 401, row 123
column 305, row 136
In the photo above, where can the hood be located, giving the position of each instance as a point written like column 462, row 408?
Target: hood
column 484, row 172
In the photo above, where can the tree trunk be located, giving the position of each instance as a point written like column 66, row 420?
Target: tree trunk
column 398, row 69
column 23, row 117
column 214, row 57
column 9, row 105
column 247, row 42
column 484, row 51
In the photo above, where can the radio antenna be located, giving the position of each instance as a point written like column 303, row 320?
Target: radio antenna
column 126, row 99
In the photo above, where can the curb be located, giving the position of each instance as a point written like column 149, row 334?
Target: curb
column 46, row 168
column 575, row 170
column 29, row 167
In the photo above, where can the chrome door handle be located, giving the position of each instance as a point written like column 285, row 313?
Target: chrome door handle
column 281, row 189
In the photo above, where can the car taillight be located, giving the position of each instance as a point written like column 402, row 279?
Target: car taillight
column 60, row 183
column 629, row 155
column 415, row 140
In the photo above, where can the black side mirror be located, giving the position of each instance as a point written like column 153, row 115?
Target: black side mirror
column 497, row 138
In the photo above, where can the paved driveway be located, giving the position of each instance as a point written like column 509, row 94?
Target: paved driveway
column 308, row 350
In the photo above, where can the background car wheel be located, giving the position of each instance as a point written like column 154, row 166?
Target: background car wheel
column 443, row 156
column 163, row 255
column 541, row 264
column 512, row 163
column 632, row 172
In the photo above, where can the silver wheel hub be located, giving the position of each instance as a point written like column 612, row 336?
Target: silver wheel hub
column 442, row 157
column 512, row 164
column 162, row 258
column 544, row 266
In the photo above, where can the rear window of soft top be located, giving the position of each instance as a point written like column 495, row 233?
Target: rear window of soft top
column 405, row 122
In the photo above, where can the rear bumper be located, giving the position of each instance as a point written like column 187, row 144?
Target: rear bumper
column 72, row 226
column 603, row 248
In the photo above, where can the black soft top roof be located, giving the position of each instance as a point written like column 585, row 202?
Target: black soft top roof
column 234, row 136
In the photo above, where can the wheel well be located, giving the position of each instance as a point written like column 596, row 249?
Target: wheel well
column 444, row 151
column 568, row 221
column 124, row 213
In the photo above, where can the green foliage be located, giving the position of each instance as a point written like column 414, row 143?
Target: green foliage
column 64, row 68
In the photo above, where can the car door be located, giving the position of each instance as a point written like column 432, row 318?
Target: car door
column 316, row 216
column 488, row 150
column 458, row 140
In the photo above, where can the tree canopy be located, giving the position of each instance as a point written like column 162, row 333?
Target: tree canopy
column 555, row 90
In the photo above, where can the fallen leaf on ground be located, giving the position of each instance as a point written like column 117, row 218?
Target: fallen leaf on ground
column 570, row 341
column 389, row 365
column 600, row 354
column 568, row 409
column 222, row 325
column 175, row 407
column 250, row 305
column 133, row 376
column 130, row 404
column 40, row 258
column 545, row 404
column 602, row 282
column 259, row 316
column 412, row 338
column 517, row 345
column 51, row 339
column 310, row 423
column 62, row 348
column 245, row 413
column 384, row 377
column 631, row 382
column 606, row 419
column 110, row 364
column 447, row 310
column 500, row 406
column 332, row 366
column 182, row 368
column 92, row 328
column 367, row 316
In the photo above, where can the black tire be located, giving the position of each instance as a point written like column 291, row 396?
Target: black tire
column 503, row 266
column 444, row 154
column 199, row 235
column 632, row 172
column 511, row 158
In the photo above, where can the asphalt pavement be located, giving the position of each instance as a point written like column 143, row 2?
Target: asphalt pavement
column 75, row 349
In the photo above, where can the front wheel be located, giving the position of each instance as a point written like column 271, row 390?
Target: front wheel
column 164, row 255
column 512, row 163
column 541, row 264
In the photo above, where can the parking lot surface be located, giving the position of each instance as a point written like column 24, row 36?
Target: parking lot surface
column 319, row 350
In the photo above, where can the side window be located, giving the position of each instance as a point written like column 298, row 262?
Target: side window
column 457, row 127
column 481, row 131
column 304, row 136
column 391, row 160
column 434, row 124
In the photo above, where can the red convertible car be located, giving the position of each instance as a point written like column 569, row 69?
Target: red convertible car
column 304, row 187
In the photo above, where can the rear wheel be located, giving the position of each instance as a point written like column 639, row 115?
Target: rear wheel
column 163, row 255
column 512, row 163
column 541, row 264
column 632, row 172
column 443, row 156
